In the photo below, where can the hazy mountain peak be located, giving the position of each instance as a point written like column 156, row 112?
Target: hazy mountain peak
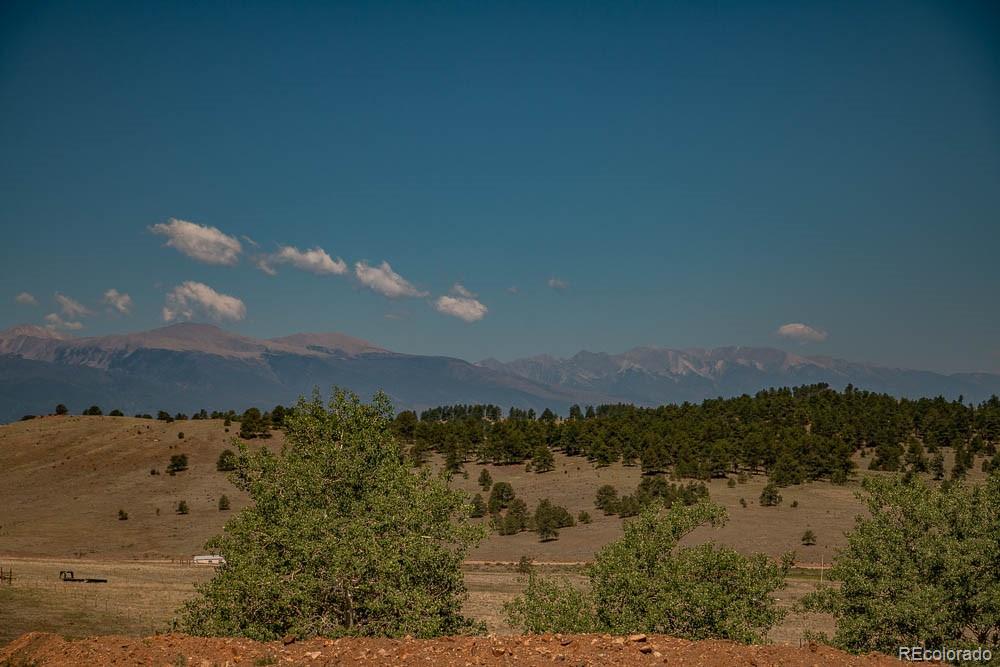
column 32, row 331
column 324, row 342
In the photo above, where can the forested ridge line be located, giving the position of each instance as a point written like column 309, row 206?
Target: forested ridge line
column 792, row 434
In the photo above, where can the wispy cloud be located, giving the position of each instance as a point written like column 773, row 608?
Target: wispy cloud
column 315, row 260
column 513, row 289
column 26, row 299
column 120, row 301
column 558, row 283
column 53, row 321
column 385, row 281
column 71, row 308
column 462, row 304
column 201, row 242
column 191, row 298
column 801, row 332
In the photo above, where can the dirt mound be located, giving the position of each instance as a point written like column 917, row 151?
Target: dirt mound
column 47, row 649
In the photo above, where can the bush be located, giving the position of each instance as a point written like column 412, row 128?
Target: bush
column 180, row 435
column 178, row 463
column 795, row 503
column 122, row 515
column 551, row 606
column 583, row 517
column 808, row 538
column 182, row 507
column 364, row 546
column 62, row 409
column 525, row 565
column 227, row 461
column 93, row 411
column 770, row 497
column 485, row 480
column 644, row 582
column 154, row 471
column 223, row 503
column 919, row 569
column 542, row 460
column 116, row 413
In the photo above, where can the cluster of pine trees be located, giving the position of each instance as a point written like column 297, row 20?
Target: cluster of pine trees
column 792, row 434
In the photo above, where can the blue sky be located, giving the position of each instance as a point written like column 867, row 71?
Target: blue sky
column 589, row 175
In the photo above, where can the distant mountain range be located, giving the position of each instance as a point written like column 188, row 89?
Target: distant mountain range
column 185, row 367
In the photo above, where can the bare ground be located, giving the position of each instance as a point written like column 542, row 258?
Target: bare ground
column 577, row 650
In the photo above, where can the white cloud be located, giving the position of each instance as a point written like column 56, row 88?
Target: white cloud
column 801, row 332
column 385, row 281
column 558, row 283
column 263, row 262
column 53, row 322
column 200, row 242
column 460, row 290
column 190, row 297
column 118, row 300
column 464, row 308
column 71, row 308
column 26, row 299
column 314, row 260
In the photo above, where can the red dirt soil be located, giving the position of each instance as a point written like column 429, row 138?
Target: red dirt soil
column 572, row 650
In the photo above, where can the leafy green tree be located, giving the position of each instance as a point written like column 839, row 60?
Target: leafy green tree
column 485, row 480
column 341, row 537
column 770, row 497
column 93, row 411
column 62, row 409
column 226, row 461
column 252, row 425
column 500, row 496
column 223, row 503
column 116, row 413
column 645, row 582
column 549, row 518
column 178, row 463
column 921, row 567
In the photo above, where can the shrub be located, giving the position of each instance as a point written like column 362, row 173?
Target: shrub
column 122, row 515
column 919, row 569
column 178, row 463
column 548, row 605
column 62, row 409
column 525, row 564
column 182, row 507
column 731, row 483
column 93, row 411
column 154, row 471
column 180, row 435
column 743, row 502
column 808, row 538
column 583, row 517
column 795, row 503
column 116, row 413
column 226, row 461
column 542, row 460
column 644, row 582
column 485, row 480
column 364, row 546
column 223, row 503
column 770, row 497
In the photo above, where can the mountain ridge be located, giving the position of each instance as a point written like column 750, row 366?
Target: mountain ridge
column 187, row 366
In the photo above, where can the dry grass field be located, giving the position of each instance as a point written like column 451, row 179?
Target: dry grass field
column 63, row 480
